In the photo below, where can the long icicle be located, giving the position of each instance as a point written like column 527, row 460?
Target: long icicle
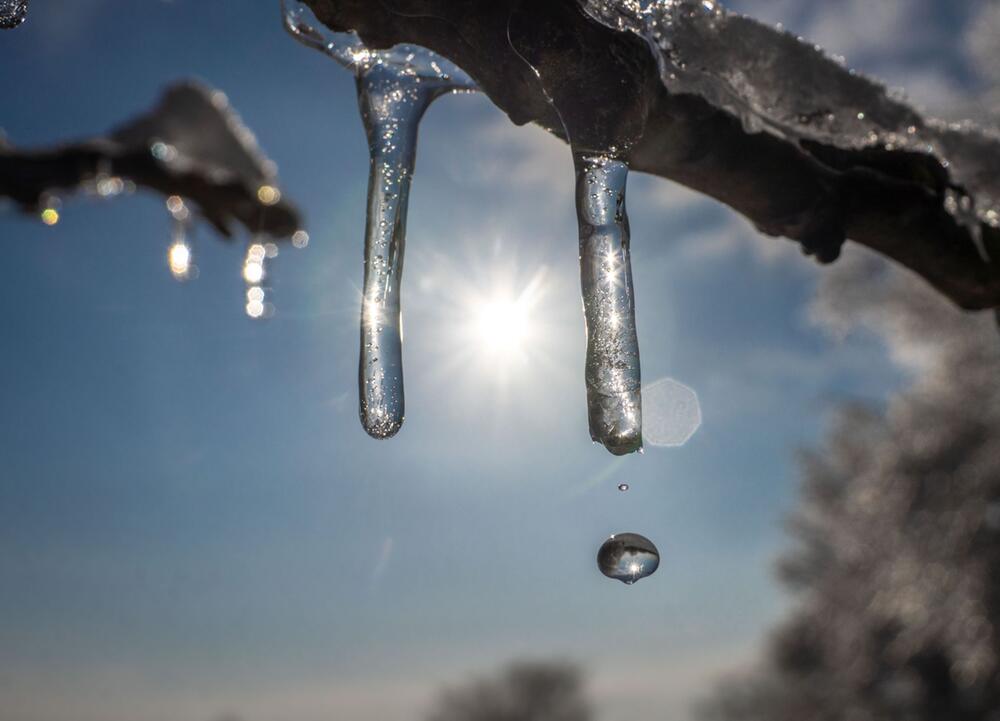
column 614, row 401
column 391, row 108
column 395, row 86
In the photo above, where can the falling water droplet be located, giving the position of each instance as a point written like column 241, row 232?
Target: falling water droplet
column 12, row 13
column 614, row 401
column 622, row 487
column 628, row 557
column 394, row 87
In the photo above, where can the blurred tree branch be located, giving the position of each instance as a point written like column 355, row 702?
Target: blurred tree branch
column 191, row 144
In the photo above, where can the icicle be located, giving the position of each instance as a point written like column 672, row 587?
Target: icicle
column 614, row 402
column 253, row 275
column 395, row 87
column 391, row 112
column 179, row 253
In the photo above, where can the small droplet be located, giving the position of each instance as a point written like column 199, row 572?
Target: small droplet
column 622, row 487
column 12, row 13
column 628, row 557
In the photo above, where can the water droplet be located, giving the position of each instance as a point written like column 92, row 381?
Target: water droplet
column 622, row 487
column 12, row 13
column 163, row 151
column 268, row 194
column 628, row 557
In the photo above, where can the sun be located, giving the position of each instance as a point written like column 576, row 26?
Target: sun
column 502, row 324
column 501, row 320
column 491, row 322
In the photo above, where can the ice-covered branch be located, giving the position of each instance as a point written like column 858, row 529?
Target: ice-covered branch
column 190, row 145
column 747, row 114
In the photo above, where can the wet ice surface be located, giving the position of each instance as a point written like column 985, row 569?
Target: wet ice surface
column 628, row 557
column 614, row 400
column 733, row 62
column 673, row 413
column 12, row 13
column 395, row 88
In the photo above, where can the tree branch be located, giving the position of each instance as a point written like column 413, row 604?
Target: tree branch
column 191, row 144
column 551, row 64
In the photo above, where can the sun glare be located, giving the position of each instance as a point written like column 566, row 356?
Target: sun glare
column 502, row 325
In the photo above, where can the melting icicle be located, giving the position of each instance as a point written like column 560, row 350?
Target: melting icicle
column 628, row 557
column 179, row 253
column 253, row 274
column 390, row 115
column 394, row 87
column 12, row 13
column 614, row 400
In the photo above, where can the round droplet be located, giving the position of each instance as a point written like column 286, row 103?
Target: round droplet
column 12, row 13
column 671, row 413
column 622, row 487
column 628, row 557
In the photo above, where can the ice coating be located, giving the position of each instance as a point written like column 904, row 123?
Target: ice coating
column 777, row 83
column 12, row 13
column 395, row 88
column 417, row 64
column 614, row 402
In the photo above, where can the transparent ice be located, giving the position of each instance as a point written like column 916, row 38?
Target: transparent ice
column 777, row 83
column 614, row 401
column 628, row 557
column 395, row 88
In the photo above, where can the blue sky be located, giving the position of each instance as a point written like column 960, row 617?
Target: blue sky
column 193, row 523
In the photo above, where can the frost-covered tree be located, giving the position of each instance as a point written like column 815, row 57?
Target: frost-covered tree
column 897, row 563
